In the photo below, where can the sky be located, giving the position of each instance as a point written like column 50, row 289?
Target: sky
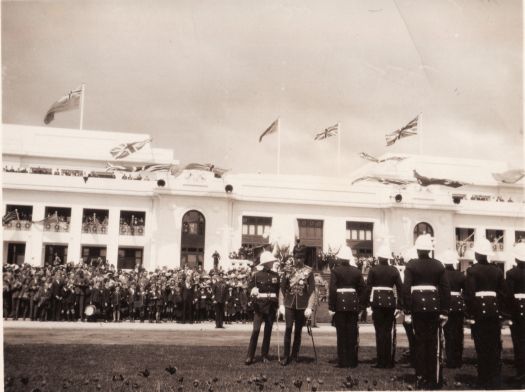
column 206, row 78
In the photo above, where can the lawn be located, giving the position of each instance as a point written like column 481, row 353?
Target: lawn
column 122, row 368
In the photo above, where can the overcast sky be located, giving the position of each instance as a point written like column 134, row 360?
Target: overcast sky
column 205, row 78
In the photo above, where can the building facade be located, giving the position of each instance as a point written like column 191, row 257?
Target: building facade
column 68, row 206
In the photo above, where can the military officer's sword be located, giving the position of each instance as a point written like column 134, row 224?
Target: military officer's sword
column 309, row 330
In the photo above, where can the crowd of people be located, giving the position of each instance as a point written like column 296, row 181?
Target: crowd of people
column 73, row 173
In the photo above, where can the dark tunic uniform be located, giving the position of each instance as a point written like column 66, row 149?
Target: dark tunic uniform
column 346, row 297
column 298, row 294
column 453, row 329
column 265, row 307
column 484, row 296
column 426, row 295
column 516, row 301
column 380, row 296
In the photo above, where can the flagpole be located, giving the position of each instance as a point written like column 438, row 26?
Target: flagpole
column 278, row 146
column 82, row 91
column 420, row 132
column 338, row 149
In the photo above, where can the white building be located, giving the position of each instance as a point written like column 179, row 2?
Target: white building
column 169, row 220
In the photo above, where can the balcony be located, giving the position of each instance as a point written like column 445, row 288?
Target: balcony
column 58, row 227
column 95, row 228
column 21, row 225
column 135, row 230
column 465, row 249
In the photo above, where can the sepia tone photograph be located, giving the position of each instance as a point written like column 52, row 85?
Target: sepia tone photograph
column 281, row 195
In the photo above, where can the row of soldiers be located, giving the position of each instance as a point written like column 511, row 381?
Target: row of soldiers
column 87, row 294
column 435, row 299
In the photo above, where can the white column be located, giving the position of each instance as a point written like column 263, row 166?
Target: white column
column 75, row 235
column 112, row 235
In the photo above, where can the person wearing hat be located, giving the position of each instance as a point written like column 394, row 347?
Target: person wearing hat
column 381, row 281
column 426, row 301
column 346, row 298
column 263, row 289
column 484, row 296
column 219, row 295
column 453, row 329
column 296, row 301
column 516, row 300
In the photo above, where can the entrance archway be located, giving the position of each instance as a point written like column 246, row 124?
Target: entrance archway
column 192, row 239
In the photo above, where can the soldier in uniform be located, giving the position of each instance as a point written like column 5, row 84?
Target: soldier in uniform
column 453, row 329
column 426, row 300
column 219, row 292
column 484, row 296
column 382, row 278
column 346, row 298
column 297, row 299
column 516, row 295
column 264, row 292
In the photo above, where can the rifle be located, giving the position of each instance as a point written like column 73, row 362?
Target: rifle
column 309, row 330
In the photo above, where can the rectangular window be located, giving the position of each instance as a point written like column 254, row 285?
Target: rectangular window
column 360, row 238
column 95, row 221
column 519, row 236
column 18, row 217
column 464, row 240
column 132, row 223
column 57, row 219
column 129, row 258
column 255, row 232
column 496, row 239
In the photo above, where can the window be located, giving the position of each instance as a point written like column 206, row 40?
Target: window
column 132, row 222
column 94, row 255
column 496, row 238
column 57, row 219
column 192, row 239
column 519, row 236
column 255, row 231
column 95, row 221
column 18, row 217
column 464, row 240
column 423, row 228
column 16, row 252
column 129, row 258
column 359, row 237
column 55, row 254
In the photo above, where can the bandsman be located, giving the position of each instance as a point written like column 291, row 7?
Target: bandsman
column 263, row 288
column 484, row 297
column 382, row 279
column 297, row 299
column 346, row 298
column 516, row 295
column 453, row 329
column 426, row 300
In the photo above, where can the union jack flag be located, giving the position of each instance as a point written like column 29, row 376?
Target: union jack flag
column 125, row 149
column 11, row 215
column 327, row 132
column 408, row 130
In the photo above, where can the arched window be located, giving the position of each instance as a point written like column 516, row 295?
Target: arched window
column 423, row 228
column 192, row 239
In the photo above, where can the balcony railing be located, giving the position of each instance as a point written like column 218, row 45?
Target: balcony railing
column 463, row 248
column 95, row 228
column 21, row 225
column 58, row 227
column 126, row 229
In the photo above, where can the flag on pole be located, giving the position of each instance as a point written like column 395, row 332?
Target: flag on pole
column 370, row 158
column 327, row 132
column 125, row 149
column 408, row 130
column 10, row 216
column 509, row 176
column 69, row 101
column 150, row 168
column 271, row 129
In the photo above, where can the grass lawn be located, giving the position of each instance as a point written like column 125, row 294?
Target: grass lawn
column 34, row 367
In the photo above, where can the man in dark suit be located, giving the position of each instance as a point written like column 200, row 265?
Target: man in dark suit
column 453, row 329
column 381, row 281
column 516, row 301
column 346, row 298
column 426, row 300
column 219, row 293
column 297, row 299
column 188, row 293
column 264, row 293
column 56, row 297
column 484, row 297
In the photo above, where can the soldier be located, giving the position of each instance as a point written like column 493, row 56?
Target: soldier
column 516, row 295
column 453, row 329
column 219, row 292
column 426, row 300
column 484, row 295
column 346, row 297
column 297, row 299
column 382, row 278
column 264, row 292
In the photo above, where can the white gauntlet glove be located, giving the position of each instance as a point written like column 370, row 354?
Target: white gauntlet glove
column 307, row 312
column 254, row 292
column 281, row 310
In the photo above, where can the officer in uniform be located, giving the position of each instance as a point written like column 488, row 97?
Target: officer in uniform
column 264, row 288
column 346, row 298
column 453, row 329
column 426, row 299
column 382, row 278
column 516, row 296
column 297, row 299
column 484, row 296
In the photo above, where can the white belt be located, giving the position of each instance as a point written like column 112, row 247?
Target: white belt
column 378, row 288
column 486, row 294
column 519, row 296
column 347, row 290
column 423, row 288
column 267, row 295
column 456, row 293
column 203, row 296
